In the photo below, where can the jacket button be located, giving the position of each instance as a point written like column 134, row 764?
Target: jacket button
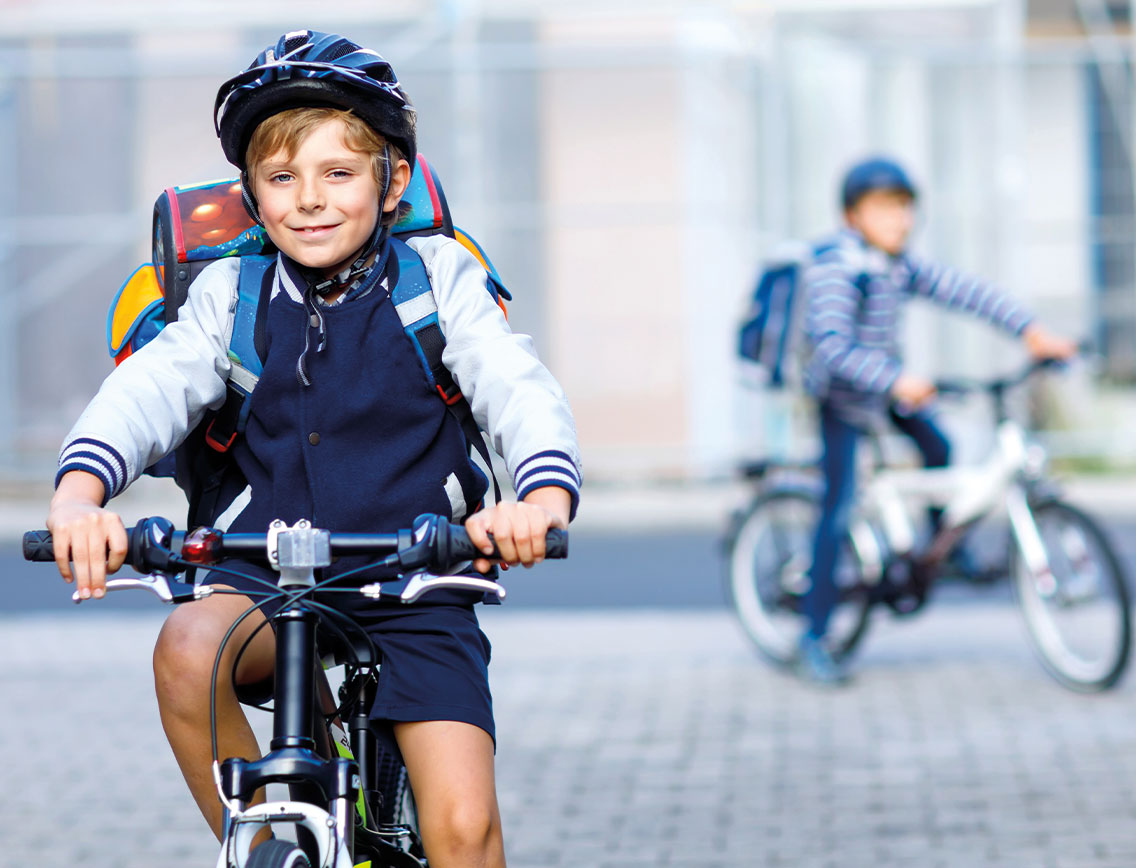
column 314, row 320
column 314, row 438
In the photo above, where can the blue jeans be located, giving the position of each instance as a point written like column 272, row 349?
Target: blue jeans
column 838, row 465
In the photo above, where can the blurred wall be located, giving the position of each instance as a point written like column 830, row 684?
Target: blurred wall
column 626, row 164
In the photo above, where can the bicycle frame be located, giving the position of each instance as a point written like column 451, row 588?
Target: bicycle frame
column 291, row 757
column 157, row 550
column 966, row 495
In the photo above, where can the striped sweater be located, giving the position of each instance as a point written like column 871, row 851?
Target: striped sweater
column 855, row 295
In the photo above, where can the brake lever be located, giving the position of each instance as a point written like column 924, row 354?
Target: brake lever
column 156, row 584
column 417, row 584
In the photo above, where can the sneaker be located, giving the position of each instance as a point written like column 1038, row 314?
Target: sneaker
column 815, row 662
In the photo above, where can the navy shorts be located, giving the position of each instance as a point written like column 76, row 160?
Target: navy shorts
column 435, row 659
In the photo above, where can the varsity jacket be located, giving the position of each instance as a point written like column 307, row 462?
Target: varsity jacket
column 370, row 415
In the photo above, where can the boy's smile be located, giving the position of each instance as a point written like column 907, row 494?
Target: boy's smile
column 321, row 205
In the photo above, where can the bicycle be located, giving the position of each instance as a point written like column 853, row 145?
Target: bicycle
column 1067, row 578
column 350, row 802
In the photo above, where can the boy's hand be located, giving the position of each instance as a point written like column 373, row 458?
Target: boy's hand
column 518, row 529
column 1042, row 344
column 84, row 534
column 912, row 391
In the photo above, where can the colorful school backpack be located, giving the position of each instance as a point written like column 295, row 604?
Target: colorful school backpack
column 196, row 225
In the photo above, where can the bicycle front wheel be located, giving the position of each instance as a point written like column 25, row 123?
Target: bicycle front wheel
column 277, row 853
column 769, row 555
column 1078, row 613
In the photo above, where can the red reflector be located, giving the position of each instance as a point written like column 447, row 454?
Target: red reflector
column 202, row 546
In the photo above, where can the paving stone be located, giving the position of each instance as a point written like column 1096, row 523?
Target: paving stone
column 638, row 739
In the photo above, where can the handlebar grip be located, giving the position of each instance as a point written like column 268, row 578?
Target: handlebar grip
column 37, row 546
column 556, row 544
column 462, row 549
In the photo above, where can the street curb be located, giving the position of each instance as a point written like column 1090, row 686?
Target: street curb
column 604, row 508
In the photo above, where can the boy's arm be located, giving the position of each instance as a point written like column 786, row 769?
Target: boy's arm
column 148, row 404
column 957, row 291
column 514, row 397
column 830, row 322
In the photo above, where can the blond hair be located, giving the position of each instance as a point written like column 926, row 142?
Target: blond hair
column 287, row 130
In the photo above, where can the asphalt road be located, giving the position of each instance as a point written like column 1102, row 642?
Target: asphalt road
column 632, row 569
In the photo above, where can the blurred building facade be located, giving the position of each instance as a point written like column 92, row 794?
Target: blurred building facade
column 625, row 163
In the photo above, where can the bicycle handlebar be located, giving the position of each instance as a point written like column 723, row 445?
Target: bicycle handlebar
column 998, row 385
column 154, row 545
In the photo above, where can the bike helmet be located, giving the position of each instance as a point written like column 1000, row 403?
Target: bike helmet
column 878, row 173
column 309, row 68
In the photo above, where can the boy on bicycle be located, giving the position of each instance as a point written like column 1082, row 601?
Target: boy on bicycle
column 856, row 290
column 341, row 430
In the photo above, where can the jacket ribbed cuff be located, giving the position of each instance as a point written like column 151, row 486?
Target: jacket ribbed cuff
column 548, row 468
column 95, row 457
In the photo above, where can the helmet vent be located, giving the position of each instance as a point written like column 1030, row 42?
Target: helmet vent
column 341, row 50
column 295, row 42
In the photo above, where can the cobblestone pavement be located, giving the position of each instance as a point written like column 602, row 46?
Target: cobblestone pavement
column 638, row 739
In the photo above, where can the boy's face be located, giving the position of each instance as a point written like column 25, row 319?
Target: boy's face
column 885, row 218
column 321, row 205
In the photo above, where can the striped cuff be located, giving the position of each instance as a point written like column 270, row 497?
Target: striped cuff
column 548, row 468
column 94, row 456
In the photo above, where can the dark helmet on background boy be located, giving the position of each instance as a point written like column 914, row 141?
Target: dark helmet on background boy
column 307, row 68
column 877, row 173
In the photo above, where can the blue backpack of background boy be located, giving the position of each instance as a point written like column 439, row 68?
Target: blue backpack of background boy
column 772, row 331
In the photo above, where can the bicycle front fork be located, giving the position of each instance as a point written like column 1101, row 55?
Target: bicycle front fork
column 292, row 758
column 1029, row 541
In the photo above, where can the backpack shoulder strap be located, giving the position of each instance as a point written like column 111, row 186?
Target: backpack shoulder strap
column 252, row 296
column 254, row 286
column 417, row 310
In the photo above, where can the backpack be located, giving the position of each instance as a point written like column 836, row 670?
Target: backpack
column 196, row 225
column 772, row 331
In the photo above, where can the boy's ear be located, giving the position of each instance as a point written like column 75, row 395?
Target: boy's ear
column 400, row 180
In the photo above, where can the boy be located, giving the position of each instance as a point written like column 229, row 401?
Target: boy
column 341, row 430
column 855, row 294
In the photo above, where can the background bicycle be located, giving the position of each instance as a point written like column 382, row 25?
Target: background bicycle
column 1066, row 577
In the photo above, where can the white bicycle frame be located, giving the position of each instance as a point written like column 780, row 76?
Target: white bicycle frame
column 965, row 494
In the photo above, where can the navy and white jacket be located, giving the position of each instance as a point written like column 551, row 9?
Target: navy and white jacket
column 855, row 294
column 365, row 446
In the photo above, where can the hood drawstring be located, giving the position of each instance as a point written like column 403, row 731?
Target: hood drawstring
column 357, row 280
column 352, row 279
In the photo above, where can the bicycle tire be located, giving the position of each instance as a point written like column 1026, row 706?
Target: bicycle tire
column 277, row 853
column 1047, row 604
column 761, row 595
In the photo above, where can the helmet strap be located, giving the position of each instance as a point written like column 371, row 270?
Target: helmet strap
column 248, row 200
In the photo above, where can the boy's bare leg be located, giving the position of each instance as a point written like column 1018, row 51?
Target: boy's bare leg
column 451, row 772
column 183, row 666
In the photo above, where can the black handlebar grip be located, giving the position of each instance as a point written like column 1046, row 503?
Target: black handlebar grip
column 37, row 546
column 556, row 543
column 462, row 549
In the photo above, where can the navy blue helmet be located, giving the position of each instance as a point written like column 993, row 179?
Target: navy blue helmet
column 308, row 68
column 878, row 173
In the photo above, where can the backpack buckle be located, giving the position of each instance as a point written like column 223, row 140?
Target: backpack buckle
column 451, row 395
column 216, row 444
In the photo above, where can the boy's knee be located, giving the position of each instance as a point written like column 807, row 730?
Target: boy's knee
column 465, row 830
column 184, row 654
